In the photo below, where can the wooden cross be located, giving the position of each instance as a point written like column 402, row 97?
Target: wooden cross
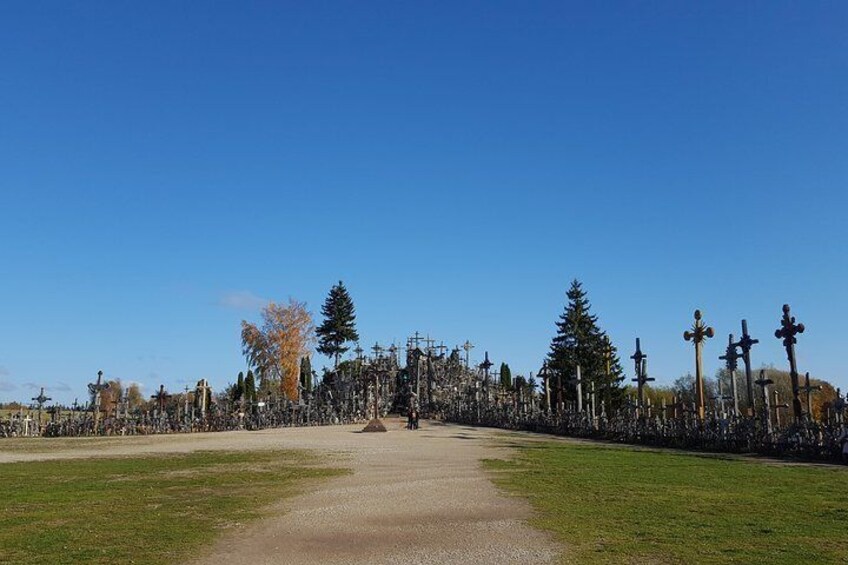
column 378, row 350
column 730, row 358
column 787, row 331
column 161, row 397
column 40, row 400
column 777, row 407
column 486, row 365
column 545, row 374
column 577, row 381
column 641, row 368
column 763, row 382
column 699, row 333
column 744, row 344
column 467, row 346
column 809, row 389
column 94, row 389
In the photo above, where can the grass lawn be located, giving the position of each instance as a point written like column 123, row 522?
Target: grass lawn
column 617, row 505
column 154, row 509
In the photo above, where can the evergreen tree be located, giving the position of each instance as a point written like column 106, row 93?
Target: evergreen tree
column 338, row 327
column 239, row 390
column 306, row 374
column 250, row 388
column 506, row 376
column 579, row 341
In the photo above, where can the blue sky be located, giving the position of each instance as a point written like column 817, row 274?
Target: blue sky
column 163, row 166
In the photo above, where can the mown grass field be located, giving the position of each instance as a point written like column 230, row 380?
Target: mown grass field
column 154, row 509
column 609, row 504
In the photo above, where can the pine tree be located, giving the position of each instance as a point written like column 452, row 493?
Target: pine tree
column 339, row 326
column 506, row 376
column 579, row 341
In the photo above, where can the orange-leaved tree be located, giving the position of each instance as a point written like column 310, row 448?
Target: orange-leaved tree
column 274, row 348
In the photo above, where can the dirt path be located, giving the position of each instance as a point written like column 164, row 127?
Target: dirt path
column 413, row 497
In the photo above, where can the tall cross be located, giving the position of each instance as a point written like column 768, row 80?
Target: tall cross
column 161, row 397
column 699, row 333
column 359, row 351
column 545, row 374
column 486, row 365
column 40, row 400
column 763, row 382
column 641, row 368
column 809, row 389
column 442, row 349
column 787, row 331
column 94, row 389
column 416, row 339
column 378, row 350
column 730, row 358
column 577, row 381
column 745, row 343
column 467, row 346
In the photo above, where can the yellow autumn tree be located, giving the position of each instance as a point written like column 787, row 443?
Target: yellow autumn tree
column 275, row 347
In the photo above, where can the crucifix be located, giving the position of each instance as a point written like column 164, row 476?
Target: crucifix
column 699, row 333
column 763, row 382
column 41, row 399
column 486, row 365
column 745, row 343
column 809, row 389
column 577, row 381
column 94, row 389
column 730, row 358
column 787, row 331
column 641, row 371
column 161, row 397
column 545, row 374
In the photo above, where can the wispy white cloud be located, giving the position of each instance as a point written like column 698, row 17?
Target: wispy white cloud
column 31, row 386
column 60, row 387
column 241, row 300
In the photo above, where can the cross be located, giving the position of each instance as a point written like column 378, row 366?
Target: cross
column 730, row 357
column 94, row 389
column 641, row 368
column 545, row 374
column 699, row 333
column 577, row 381
column 777, row 407
column 378, row 350
column 807, row 388
column 359, row 351
column 416, row 339
column 442, row 349
column 745, row 343
column 393, row 351
column 787, row 331
column 467, row 346
column 486, row 365
column 429, row 343
column 161, row 397
column 763, row 382
column 40, row 400
column 719, row 399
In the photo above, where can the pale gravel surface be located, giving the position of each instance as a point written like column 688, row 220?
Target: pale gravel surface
column 413, row 497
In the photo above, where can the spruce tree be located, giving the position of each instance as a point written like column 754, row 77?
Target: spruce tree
column 506, row 376
column 579, row 341
column 239, row 390
column 250, row 388
column 338, row 327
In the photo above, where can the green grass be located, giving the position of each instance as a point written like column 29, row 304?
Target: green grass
column 619, row 505
column 156, row 509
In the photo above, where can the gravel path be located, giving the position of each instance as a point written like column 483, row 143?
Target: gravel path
column 413, row 497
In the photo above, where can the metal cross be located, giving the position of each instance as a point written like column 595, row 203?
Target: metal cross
column 787, row 331
column 699, row 333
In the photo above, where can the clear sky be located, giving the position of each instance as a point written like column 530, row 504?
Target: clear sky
column 164, row 166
